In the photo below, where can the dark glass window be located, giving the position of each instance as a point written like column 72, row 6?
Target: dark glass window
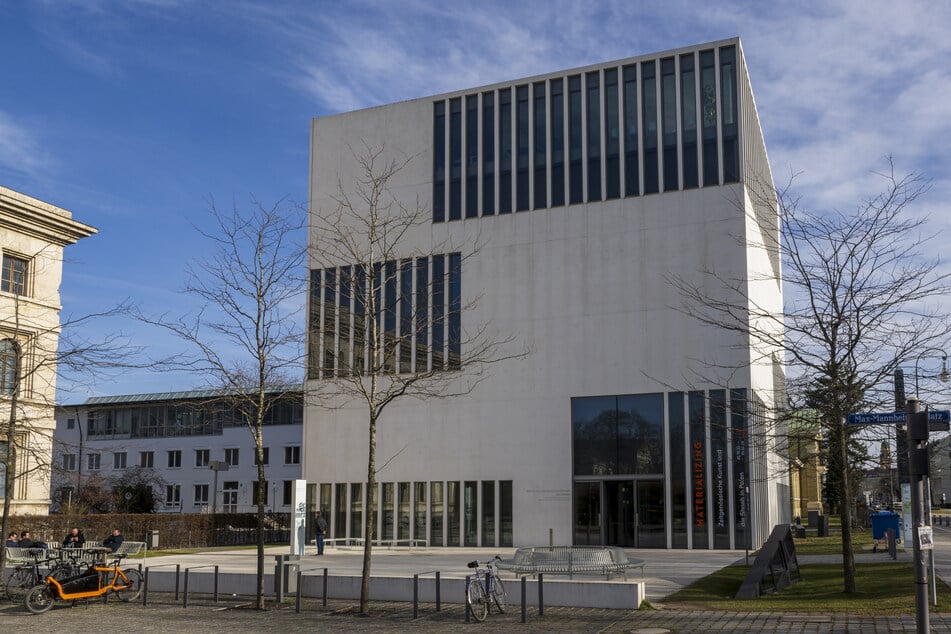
column 359, row 317
column 557, row 143
column 439, row 161
column 731, row 143
column 488, row 154
column 14, row 275
column 455, row 158
column 389, row 316
column 669, row 104
column 436, row 514
column 402, row 518
column 678, row 469
column 540, row 124
column 593, row 86
column 521, row 159
column 719, row 469
column 340, row 519
column 594, row 425
column 488, row 514
column 612, row 136
column 688, row 120
column 472, row 156
column 649, row 95
column 575, row 136
column 631, row 172
column 506, row 520
column 699, row 471
column 708, row 111
column 439, row 309
column 452, row 514
column 406, row 316
column 330, row 320
column 419, row 511
column 356, row 509
column 343, row 339
column 470, row 513
column 505, row 150
column 422, row 315
column 387, row 504
column 455, row 310
column 640, row 431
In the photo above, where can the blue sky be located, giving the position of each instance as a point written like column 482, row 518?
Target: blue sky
column 135, row 114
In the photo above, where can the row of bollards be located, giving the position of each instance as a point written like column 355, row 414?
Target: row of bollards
column 184, row 592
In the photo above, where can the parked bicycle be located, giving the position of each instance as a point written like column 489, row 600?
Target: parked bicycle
column 94, row 582
column 26, row 575
column 484, row 588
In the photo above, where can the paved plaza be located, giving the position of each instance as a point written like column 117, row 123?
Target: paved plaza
column 666, row 572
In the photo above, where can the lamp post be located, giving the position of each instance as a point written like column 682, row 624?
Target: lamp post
column 943, row 376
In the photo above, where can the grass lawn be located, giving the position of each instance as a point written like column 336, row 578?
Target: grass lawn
column 882, row 588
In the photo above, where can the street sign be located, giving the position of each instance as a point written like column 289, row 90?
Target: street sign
column 938, row 419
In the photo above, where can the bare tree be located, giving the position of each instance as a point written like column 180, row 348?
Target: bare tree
column 35, row 354
column 862, row 294
column 246, row 339
column 402, row 345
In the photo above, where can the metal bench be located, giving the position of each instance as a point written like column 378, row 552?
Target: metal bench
column 130, row 549
column 16, row 555
column 571, row 560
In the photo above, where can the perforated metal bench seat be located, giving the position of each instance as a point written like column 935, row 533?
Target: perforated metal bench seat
column 571, row 560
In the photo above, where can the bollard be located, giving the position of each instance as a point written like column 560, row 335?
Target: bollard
column 415, row 596
column 324, row 600
column 541, row 594
column 524, row 587
column 300, row 590
column 437, row 591
column 468, row 609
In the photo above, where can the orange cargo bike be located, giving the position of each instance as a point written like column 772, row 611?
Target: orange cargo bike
column 98, row 580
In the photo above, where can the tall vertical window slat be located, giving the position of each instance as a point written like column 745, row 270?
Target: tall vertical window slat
column 541, row 145
column 593, row 89
column 330, row 320
column 488, row 154
column 631, row 169
column 455, row 158
column 708, row 113
column 439, row 310
column 557, row 143
column 649, row 110
column 612, row 136
column 389, row 316
column 472, row 156
column 575, row 136
column 688, row 121
column 343, row 338
column 455, row 310
column 439, row 161
column 422, row 315
column 669, row 120
column 406, row 316
column 505, row 150
column 314, row 362
column 359, row 318
column 521, row 156
column 731, row 143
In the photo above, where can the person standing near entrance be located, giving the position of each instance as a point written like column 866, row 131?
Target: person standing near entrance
column 321, row 525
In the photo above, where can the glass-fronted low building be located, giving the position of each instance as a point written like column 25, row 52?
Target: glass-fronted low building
column 566, row 214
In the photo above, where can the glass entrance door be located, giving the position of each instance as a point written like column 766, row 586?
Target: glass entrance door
column 620, row 513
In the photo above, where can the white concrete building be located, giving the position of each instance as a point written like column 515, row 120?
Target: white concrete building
column 196, row 454
column 33, row 235
column 562, row 208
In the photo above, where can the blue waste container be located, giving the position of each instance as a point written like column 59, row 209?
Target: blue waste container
column 882, row 521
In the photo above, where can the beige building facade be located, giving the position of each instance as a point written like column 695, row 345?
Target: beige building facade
column 33, row 235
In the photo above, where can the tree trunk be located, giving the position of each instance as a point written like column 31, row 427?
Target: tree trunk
column 845, row 510
column 368, row 518
column 261, row 487
column 11, row 468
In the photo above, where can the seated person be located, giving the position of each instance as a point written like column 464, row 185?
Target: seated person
column 113, row 541
column 74, row 539
column 12, row 539
column 26, row 541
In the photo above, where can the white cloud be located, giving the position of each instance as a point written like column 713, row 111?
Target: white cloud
column 19, row 149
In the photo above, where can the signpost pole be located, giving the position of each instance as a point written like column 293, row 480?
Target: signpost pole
column 917, row 467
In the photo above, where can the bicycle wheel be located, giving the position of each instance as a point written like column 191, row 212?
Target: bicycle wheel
column 478, row 602
column 132, row 591
column 20, row 583
column 498, row 593
column 39, row 599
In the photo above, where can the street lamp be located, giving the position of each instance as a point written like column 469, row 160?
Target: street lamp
column 943, row 376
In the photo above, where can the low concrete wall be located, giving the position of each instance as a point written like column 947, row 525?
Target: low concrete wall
column 626, row 595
